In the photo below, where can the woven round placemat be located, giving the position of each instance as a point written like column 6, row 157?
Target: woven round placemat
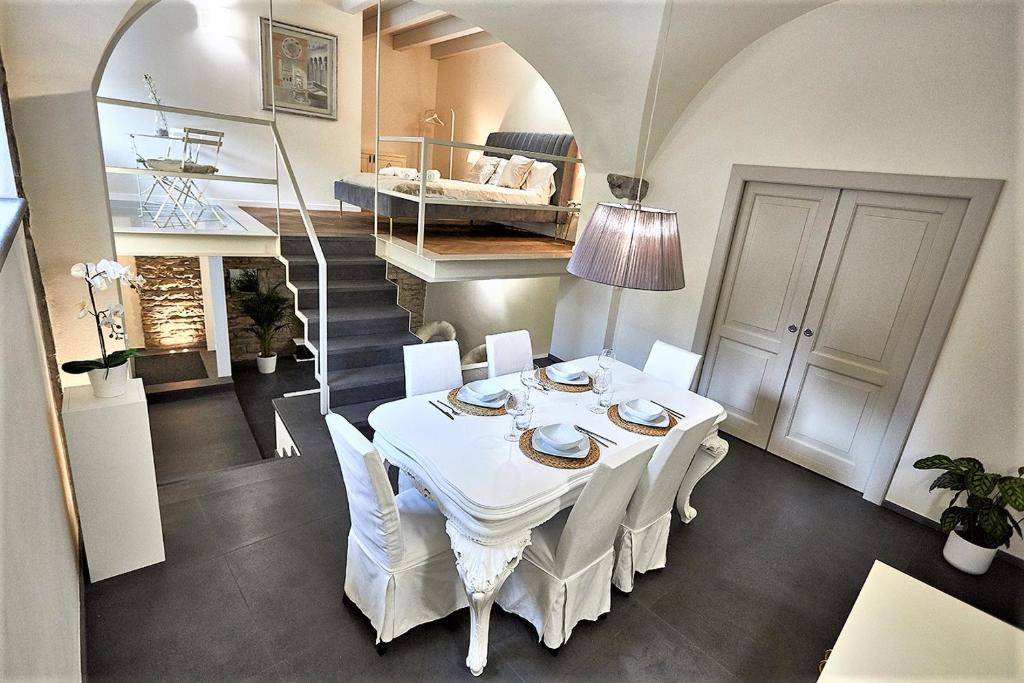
column 472, row 409
column 526, row 446
column 618, row 421
column 558, row 386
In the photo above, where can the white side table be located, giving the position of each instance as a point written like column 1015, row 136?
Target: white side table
column 111, row 457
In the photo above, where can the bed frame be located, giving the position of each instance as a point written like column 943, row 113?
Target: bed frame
column 499, row 144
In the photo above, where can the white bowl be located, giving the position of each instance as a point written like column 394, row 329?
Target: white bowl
column 565, row 371
column 561, row 437
column 486, row 389
column 645, row 410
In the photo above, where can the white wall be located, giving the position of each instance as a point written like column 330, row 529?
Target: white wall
column 205, row 54
column 477, row 309
column 882, row 86
column 493, row 89
column 39, row 575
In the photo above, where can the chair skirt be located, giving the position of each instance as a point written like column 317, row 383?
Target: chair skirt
column 396, row 600
column 640, row 550
column 554, row 606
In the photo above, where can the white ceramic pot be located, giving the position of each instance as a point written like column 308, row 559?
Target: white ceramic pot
column 966, row 556
column 266, row 365
column 109, row 382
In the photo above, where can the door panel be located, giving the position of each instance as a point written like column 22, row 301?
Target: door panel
column 881, row 267
column 780, row 234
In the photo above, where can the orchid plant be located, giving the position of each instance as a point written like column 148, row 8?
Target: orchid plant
column 109, row 321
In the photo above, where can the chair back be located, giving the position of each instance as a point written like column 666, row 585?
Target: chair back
column 656, row 491
column 591, row 527
column 371, row 502
column 194, row 140
column 432, row 367
column 508, row 352
column 672, row 364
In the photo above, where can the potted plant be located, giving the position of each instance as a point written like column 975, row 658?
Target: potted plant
column 978, row 528
column 269, row 312
column 108, row 374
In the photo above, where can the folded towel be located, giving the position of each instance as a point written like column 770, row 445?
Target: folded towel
column 433, row 175
column 404, row 173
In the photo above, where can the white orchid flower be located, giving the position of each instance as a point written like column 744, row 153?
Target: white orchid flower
column 83, row 309
column 112, row 270
column 80, row 270
column 98, row 282
column 116, row 311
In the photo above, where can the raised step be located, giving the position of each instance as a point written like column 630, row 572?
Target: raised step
column 347, row 292
column 361, row 350
column 333, row 245
column 358, row 319
column 344, row 268
column 373, row 383
column 358, row 413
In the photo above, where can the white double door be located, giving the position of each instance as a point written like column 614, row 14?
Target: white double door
column 824, row 300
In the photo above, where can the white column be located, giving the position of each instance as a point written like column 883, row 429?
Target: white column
column 215, row 311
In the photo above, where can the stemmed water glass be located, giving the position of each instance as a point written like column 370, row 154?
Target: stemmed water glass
column 606, row 359
column 529, row 377
column 517, row 404
column 603, row 388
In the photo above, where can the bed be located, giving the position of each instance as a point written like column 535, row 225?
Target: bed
column 358, row 189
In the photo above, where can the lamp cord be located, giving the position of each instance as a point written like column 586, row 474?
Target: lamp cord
column 662, row 43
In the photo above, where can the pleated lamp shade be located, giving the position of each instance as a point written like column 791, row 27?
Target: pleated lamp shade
column 630, row 247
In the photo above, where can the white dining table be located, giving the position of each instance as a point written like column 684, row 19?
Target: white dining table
column 491, row 494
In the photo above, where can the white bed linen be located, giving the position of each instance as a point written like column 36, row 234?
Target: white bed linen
column 456, row 189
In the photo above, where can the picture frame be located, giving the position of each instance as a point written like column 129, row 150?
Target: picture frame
column 299, row 69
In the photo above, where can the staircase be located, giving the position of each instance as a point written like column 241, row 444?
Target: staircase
column 366, row 328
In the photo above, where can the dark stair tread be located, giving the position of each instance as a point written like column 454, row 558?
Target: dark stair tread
column 345, row 285
column 304, row 259
column 357, row 342
column 355, row 313
column 367, row 376
column 359, row 413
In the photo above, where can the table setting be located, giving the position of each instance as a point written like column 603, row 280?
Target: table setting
column 501, row 456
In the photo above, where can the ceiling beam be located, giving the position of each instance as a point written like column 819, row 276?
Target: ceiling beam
column 354, row 6
column 448, row 28
column 458, row 46
column 400, row 18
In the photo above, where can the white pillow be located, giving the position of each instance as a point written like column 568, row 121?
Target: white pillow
column 482, row 170
column 496, row 176
column 541, row 178
column 515, row 172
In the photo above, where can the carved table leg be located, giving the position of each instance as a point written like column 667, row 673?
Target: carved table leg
column 711, row 452
column 483, row 569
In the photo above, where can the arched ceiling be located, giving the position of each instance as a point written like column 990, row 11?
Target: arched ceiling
column 598, row 57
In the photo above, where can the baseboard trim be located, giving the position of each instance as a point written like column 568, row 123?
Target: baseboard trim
column 929, row 522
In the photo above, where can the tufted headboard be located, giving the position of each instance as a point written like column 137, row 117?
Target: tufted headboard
column 559, row 144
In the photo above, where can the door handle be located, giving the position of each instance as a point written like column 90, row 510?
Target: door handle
column 808, row 332
column 792, row 328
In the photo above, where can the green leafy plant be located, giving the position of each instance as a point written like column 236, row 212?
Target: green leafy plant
column 246, row 282
column 986, row 519
column 269, row 311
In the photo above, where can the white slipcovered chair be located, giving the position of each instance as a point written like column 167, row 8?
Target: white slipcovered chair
column 672, row 364
column 565, row 574
column 643, row 535
column 400, row 570
column 432, row 367
column 508, row 352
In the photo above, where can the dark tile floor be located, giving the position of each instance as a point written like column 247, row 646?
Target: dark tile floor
column 757, row 587
column 256, row 392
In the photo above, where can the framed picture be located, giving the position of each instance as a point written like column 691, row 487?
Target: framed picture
column 299, row 69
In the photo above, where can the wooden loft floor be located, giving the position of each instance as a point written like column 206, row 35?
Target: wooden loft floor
column 446, row 238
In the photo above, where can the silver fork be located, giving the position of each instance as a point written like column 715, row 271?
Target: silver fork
column 458, row 412
column 446, row 409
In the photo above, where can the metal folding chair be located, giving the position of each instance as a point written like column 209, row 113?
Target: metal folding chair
column 183, row 203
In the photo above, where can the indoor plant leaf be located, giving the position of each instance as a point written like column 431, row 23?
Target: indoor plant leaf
column 117, row 358
column 78, row 367
column 934, row 462
column 968, row 465
column 950, row 518
column 948, row 480
column 1012, row 490
column 992, row 521
column 979, row 483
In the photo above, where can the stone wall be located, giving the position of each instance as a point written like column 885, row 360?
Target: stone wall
column 171, row 302
column 243, row 343
column 412, row 293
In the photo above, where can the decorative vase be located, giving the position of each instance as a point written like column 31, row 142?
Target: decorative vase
column 266, row 365
column 109, row 382
column 966, row 556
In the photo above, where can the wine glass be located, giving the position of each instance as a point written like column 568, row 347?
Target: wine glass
column 516, row 404
column 602, row 387
column 606, row 359
column 529, row 377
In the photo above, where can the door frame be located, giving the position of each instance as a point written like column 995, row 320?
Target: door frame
column 981, row 195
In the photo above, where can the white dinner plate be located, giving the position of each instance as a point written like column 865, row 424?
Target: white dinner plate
column 540, row 444
column 626, row 414
column 469, row 397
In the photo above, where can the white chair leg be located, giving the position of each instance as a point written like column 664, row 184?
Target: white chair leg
column 711, row 452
